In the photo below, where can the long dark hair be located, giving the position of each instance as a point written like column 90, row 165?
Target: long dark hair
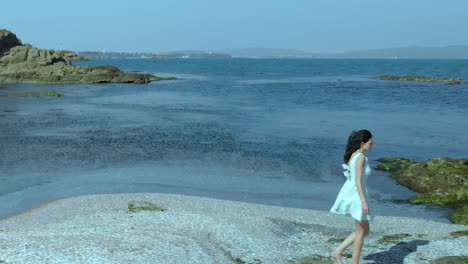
column 354, row 142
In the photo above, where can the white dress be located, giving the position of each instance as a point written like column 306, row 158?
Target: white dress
column 348, row 201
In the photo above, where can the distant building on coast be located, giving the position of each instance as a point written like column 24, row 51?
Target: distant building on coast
column 174, row 55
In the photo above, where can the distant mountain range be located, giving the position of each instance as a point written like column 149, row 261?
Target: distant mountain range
column 262, row 52
column 415, row 52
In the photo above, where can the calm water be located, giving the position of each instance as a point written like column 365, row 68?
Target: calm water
column 264, row 131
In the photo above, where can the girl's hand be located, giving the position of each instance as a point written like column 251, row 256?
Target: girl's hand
column 365, row 207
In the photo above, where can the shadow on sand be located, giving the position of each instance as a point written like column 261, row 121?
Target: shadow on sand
column 397, row 253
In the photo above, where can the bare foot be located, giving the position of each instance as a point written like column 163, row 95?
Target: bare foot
column 337, row 257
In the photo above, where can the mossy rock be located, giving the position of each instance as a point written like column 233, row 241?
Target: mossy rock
column 26, row 64
column 241, row 261
column 138, row 206
column 419, row 79
column 443, row 182
column 440, row 181
column 157, row 78
column 392, row 164
column 336, row 239
column 448, row 166
column 442, row 174
column 32, row 94
column 460, row 216
column 459, row 233
column 451, row 260
column 385, row 167
column 441, row 198
column 393, row 238
column 313, row 259
column 54, row 94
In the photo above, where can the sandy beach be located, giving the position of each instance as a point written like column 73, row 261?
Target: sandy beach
column 101, row 229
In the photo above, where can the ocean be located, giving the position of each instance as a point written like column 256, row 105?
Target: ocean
column 268, row 131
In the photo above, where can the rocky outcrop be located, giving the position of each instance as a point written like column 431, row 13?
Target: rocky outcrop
column 71, row 55
column 26, row 64
column 35, row 93
column 441, row 181
column 421, row 79
column 8, row 40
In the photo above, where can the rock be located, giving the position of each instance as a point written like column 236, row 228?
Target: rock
column 31, row 94
column 26, row 64
column 441, row 181
column 441, row 174
column 138, row 206
column 71, row 55
column 313, row 259
column 7, row 41
column 450, row 81
column 30, row 57
column 459, row 233
column 393, row 164
column 451, row 260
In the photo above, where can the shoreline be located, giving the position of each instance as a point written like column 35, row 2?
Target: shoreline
column 308, row 197
column 100, row 228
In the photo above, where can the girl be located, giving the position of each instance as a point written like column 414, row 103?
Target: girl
column 352, row 198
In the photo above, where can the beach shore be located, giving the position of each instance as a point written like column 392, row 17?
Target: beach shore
column 101, row 229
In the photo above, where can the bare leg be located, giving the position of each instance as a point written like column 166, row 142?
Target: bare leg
column 338, row 253
column 338, row 257
column 362, row 229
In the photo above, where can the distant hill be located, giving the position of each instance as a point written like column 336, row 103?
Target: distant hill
column 262, row 52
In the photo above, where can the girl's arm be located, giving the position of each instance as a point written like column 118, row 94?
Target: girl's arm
column 359, row 171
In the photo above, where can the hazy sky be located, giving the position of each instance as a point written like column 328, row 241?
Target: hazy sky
column 168, row 25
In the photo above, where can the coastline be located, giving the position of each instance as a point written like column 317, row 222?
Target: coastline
column 100, row 228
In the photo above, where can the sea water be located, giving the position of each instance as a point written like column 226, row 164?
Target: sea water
column 269, row 131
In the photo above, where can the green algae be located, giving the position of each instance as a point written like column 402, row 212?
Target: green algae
column 459, row 233
column 336, row 239
column 393, row 164
column 157, row 78
column 313, row 259
column 450, row 260
column 420, row 79
column 138, row 206
column 32, row 94
column 440, row 181
column 435, row 198
column 460, row 216
column 395, row 238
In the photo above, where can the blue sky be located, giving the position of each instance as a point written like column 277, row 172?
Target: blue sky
column 167, row 25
